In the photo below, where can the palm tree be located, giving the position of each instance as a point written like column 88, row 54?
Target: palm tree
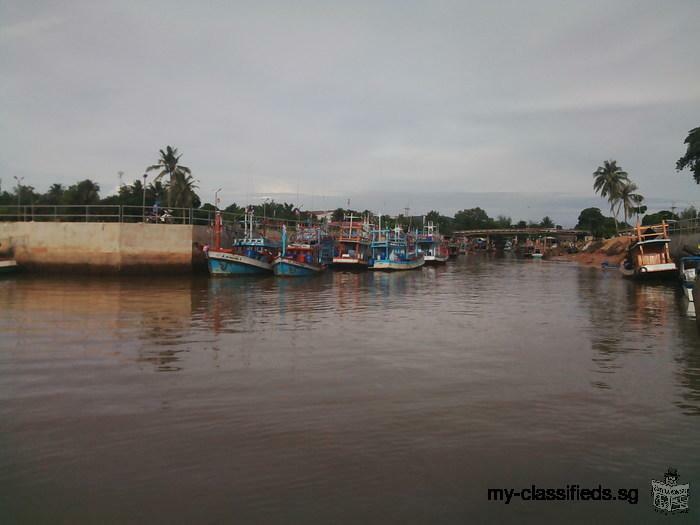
column 629, row 200
column 181, row 190
column 609, row 181
column 169, row 164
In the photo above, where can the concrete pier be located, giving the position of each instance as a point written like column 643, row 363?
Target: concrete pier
column 101, row 247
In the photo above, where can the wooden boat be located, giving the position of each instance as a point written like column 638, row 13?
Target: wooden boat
column 309, row 253
column 250, row 255
column 352, row 250
column 8, row 266
column 688, row 272
column 431, row 245
column 394, row 250
column 649, row 255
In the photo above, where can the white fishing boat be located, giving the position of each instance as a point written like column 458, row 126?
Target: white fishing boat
column 688, row 271
column 432, row 245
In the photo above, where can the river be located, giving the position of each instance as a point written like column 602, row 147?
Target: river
column 347, row 398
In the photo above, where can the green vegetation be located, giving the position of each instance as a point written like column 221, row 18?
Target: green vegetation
column 656, row 218
column 691, row 159
column 592, row 220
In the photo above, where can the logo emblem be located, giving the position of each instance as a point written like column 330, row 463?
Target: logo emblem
column 668, row 496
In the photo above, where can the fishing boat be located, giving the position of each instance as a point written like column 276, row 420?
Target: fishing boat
column 688, row 271
column 452, row 246
column 7, row 266
column 649, row 256
column 309, row 253
column 392, row 249
column 352, row 250
column 431, row 245
column 249, row 255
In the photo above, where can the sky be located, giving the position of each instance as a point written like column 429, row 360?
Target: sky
column 509, row 105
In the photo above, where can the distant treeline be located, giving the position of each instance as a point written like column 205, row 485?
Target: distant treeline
column 87, row 192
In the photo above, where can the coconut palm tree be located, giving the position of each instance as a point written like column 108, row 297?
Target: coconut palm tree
column 629, row 200
column 609, row 181
column 181, row 190
column 169, row 164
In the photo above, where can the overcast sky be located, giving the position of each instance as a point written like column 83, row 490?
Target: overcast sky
column 361, row 100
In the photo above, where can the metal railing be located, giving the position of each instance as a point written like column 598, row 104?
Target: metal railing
column 129, row 214
column 684, row 226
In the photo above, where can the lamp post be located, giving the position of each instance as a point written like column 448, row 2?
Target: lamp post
column 216, row 199
column 143, row 202
column 19, row 195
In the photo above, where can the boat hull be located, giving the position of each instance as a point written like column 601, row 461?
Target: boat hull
column 349, row 263
column 688, row 290
column 432, row 260
column 289, row 268
column 8, row 266
column 651, row 271
column 230, row 264
column 392, row 266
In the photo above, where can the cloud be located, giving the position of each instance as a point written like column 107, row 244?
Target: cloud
column 335, row 99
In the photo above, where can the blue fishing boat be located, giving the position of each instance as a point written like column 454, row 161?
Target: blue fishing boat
column 250, row 255
column 394, row 250
column 309, row 254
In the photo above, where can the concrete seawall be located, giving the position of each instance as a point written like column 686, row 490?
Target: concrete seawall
column 105, row 247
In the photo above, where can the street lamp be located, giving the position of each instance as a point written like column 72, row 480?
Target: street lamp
column 143, row 202
column 19, row 195
column 216, row 199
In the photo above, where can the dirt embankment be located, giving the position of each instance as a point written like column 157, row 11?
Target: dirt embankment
column 610, row 251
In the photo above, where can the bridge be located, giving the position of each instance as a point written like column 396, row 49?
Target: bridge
column 513, row 232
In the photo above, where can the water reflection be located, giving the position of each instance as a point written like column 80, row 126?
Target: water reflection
column 302, row 395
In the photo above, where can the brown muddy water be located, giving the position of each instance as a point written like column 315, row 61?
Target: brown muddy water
column 347, row 398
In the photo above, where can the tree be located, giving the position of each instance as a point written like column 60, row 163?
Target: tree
column 521, row 225
column 629, row 200
column 688, row 213
column 656, row 218
column 181, row 192
column 609, row 181
column 691, row 159
column 503, row 222
column 472, row 219
column 592, row 220
column 169, row 164
column 234, row 208
column 546, row 222
column 84, row 193
column 54, row 195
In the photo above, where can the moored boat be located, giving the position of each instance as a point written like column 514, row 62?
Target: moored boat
column 250, row 255
column 688, row 271
column 8, row 266
column 649, row 256
column 394, row 250
column 309, row 254
column 431, row 245
column 352, row 250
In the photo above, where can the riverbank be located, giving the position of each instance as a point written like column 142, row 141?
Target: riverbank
column 597, row 253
